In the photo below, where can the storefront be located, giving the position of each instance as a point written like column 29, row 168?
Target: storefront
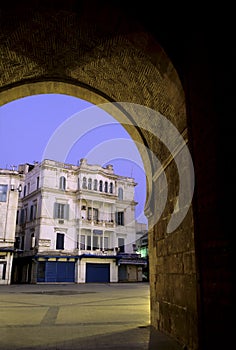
column 56, row 269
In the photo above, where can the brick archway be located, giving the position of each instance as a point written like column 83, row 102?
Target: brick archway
column 59, row 52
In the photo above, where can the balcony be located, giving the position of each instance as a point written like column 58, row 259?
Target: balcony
column 98, row 223
column 97, row 252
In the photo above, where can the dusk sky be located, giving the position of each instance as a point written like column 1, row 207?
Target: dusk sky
column 34, row 127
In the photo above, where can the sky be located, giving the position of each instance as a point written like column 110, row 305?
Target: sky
column 65, row 128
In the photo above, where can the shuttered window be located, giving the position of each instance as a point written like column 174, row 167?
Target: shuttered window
column 62, row 183
column 119, row 216
column 111, row 187
column 95, row 185
column 61, row 211
column 106, row 187
column 121, row 244
column 89, row 184
column 82, row 242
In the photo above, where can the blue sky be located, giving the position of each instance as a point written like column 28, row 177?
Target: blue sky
column 30, row 126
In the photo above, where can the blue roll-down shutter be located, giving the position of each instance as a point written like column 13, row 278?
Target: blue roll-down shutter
column 65, row 271
column 98, row 273
column 51, row 271
column 57, row 271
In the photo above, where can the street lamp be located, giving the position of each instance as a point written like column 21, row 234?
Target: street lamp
column 19, row 188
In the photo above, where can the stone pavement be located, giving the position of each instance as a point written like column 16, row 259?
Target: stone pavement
column 78, row 317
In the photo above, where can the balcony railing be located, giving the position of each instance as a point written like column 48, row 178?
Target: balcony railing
column 106, row 252
column 102, row 223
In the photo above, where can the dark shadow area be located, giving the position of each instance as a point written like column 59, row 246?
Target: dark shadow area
column 140, row 338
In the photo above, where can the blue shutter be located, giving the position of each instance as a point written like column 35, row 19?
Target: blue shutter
column 51, row 272
column 99, row 273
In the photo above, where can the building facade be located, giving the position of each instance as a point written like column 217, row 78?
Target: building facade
column 9, row 192
column 75, row 224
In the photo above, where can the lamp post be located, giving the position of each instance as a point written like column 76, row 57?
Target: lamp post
column 19, row 188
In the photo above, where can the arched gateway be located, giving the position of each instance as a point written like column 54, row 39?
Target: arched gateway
column 101, row 53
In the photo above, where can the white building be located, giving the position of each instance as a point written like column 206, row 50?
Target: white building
column 9, row 192
column 75, row 224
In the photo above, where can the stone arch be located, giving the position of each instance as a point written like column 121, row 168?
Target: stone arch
column 105, row 59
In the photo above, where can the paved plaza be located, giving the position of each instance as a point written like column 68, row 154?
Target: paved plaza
column 78, row 317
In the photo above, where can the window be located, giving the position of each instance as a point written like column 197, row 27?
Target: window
column 28, row 186
column 106, row 187
column 84, row 182
column 60, row 241
column 37, row 183
column 111, row 187
column 3, row 193
column 61, row 211
column 23, row 215
column 62, row 184
column 92, row 214
column 120, row 193
column 95, row 242
column 100, row 185
column 24, row 190
column 104, row 243
column 33, row 211
column 82, row 242
column 120, row 218
column 95, row 185
column 78, row 184
column 89, row 184
column 89, row 242
column 121, row 244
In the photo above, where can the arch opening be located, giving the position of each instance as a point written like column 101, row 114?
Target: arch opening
column 126, row 65
column 156, row 175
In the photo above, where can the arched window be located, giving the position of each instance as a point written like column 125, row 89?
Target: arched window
column 106, row 187
column 89, row 184
column 111, row 187
column 62, row 183
column 100, row 185
column 95, row 185
column 84, row 182
column 120, row 193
